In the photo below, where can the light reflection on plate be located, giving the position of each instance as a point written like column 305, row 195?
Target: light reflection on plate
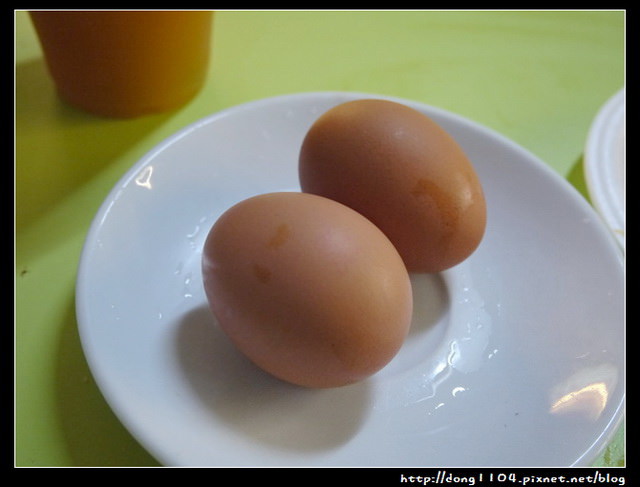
column 499, row 344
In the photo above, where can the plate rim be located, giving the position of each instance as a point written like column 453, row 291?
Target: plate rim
column 610, row 115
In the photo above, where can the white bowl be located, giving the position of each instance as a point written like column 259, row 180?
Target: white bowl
column 605, row 163
column 515, row 356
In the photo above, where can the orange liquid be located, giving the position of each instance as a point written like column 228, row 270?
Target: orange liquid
column 126, row 63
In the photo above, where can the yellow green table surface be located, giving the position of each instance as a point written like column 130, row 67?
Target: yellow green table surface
column 538, row 77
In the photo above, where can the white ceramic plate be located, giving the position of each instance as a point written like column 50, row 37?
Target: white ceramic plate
column 605, row 163
column 515, row 356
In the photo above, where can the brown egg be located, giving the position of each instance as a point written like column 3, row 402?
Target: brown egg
column 402, row 171
column 308, row 289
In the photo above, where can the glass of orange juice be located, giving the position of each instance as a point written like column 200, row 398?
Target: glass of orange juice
column 126, row 63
